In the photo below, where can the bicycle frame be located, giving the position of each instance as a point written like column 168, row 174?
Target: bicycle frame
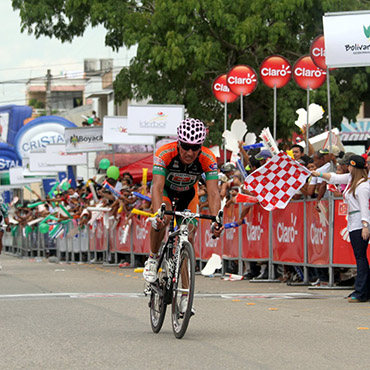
column 171, row 288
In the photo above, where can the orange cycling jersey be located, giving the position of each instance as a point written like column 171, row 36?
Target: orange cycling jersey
column 181, row 177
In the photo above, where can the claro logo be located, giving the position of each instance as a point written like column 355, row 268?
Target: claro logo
column 210, row 243
column 318, row 52
column 305, row 72
column 141, row 233
column 317, row 235
column 221, row 87
column 254, row 232
column 287, row 234
column 229, row 233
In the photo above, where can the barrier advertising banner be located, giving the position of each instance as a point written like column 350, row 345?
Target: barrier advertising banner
column 156, row 120
column 231, row 236
column 115, row 132
column 288, row 235
column 39, row 161
column 121, row 244
column 347, row 39
column 342, row 248
column 85, row 139
column 256, row 234
column 140, row 239
column 317, row 233
column 57, row 155
column 209, row 245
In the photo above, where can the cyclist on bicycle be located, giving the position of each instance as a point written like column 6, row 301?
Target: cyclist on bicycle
column 176, row 172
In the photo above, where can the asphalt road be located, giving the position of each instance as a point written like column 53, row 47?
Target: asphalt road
column 79, row 316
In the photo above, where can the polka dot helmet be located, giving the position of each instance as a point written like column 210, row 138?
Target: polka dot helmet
column 191, row 131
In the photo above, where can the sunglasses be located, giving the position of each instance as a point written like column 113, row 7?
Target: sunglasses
column 187, row 147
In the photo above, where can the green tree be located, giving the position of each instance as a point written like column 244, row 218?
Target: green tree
column 183, row 45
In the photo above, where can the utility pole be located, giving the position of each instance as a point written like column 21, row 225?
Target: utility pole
column 48, row 93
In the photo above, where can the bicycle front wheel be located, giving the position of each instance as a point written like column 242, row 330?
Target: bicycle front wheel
column 183, row 291
column 157, row 311
column 158, row 301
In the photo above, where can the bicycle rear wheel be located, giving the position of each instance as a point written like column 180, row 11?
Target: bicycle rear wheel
column 183, row 291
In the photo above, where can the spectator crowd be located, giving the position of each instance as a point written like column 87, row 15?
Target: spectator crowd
column 123, row 195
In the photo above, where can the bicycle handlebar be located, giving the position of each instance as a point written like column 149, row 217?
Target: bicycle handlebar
column 217, row 219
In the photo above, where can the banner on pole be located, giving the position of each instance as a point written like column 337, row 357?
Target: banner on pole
column 39, row 161
column 156, row 120
column 16, row 177
column 57, row 155
column 347, row 39
column 85, row 139
column 115, row 132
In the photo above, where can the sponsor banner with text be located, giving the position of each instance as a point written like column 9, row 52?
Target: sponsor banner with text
column 342, row 249
column 57, row 155
column 318, row 233
column 39, row 161
column 256, row 234
column 115, row 131
column 287, row 233
column 209, row 245
column 347, row 39
column 141, row 233
column 85, row 139
column 156, row 120
column 231, row 236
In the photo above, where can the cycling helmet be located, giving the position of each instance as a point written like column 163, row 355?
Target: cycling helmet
column 191, row 131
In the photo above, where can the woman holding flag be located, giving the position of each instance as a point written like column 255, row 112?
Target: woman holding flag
column 356, row 195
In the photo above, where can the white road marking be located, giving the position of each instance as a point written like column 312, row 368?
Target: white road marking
column 94, row 295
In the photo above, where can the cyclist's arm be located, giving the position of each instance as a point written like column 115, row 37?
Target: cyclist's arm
column 157, row 191
column 214, row 200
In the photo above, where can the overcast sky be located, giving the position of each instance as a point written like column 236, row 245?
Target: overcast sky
column 23, row 56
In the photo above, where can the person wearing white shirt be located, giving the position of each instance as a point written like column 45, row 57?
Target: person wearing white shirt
column 356, row 195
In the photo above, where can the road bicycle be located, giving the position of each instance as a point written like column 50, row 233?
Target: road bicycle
column 176, row 272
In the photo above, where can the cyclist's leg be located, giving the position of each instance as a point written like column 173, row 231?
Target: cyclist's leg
column 192, row 206
column 156, row 237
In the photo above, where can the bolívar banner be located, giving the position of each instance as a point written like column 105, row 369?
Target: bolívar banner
column 156, row 120
column 347, row 39
column 85, row 139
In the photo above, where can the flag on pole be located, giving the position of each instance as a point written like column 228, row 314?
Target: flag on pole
column 275, row 183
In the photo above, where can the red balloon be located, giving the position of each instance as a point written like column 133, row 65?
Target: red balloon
column 317, row 51
column 307, row 75
column 275, row 71
column 221, row 91
column 242, row 80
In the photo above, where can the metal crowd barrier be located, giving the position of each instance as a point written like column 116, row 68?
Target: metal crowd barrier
column 297, row 236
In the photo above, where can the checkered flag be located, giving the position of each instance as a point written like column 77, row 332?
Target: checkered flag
column 277, row 181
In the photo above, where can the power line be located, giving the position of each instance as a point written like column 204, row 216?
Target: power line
column 89, row 74
column 51, row 65
column 53, row 99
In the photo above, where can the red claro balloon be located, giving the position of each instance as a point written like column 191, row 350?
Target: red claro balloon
column 275, row 71
column 317, row 51
column 307, row 74
column 221, row 91
column 242, row 80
